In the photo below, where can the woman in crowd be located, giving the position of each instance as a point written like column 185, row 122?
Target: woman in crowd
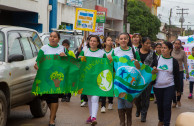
column 93, row 50
column 136, row 40
column 52, row 48
column 181, row 57
column 108, row 43
column 124, row 107
column 147, row 57
column 167, row 81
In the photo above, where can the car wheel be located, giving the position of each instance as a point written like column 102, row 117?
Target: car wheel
column 3, row 109
column 38, row 107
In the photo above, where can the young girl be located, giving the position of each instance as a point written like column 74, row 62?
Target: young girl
column 191, row 81
column 52, row 48
column 166, row 82
column 108, row 42
column 93, row 50
column 123, row 105
column 136, row 40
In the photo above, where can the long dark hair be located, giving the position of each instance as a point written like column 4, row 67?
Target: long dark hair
column 58, row 35
column 104, row 45
column 169, row 45
column 98, row 40
column 128, row 36
column 144, row 39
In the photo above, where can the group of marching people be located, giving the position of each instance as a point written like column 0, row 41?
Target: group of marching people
column 166, row 62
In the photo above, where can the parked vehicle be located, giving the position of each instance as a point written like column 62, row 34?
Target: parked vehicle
column 18, row 50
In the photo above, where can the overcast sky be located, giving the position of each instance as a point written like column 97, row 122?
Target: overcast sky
column 166, row 5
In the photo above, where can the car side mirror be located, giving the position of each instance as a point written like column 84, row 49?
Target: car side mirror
column 15, row 57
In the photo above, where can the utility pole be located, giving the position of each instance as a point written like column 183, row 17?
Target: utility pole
column 182, row 20
column 169, row 33
column 125, row 16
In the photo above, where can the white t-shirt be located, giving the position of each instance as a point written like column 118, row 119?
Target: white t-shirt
column 47, row 49
column 108, row 53
column 165, row 77
column 88, row 52
column 120, row 52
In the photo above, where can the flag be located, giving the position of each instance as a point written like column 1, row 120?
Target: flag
column 56, row 75
column 96, row 77
column 131, row 78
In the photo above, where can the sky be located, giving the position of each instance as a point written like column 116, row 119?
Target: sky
column 166, row 5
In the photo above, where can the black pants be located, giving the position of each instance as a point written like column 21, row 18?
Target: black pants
column 191, row 87
column 143, row 101
column 110, row 101
column 84, row 97
column 164, row 98
column 178, row 98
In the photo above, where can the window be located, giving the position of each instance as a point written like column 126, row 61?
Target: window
column 100, row 2
column 14, row 46
column 27, row 48
column 34, row 38
column 34, row 50
column 110, row 1
column 46, row 40
column 2, row 47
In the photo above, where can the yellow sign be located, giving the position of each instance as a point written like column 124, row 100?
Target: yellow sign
column 85, row 19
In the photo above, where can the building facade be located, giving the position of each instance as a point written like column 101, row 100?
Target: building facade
column 26, row 13
column 45, row 15
column 153, row 4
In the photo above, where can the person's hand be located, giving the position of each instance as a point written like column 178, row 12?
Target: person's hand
column 155, row 70
column 187, row 76
column 62, row 54
column 132, row 59
column 110, row 57
column 178, row 93
column 36, row 66
column 80, row 57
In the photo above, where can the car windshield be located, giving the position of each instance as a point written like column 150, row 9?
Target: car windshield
column 1, row 46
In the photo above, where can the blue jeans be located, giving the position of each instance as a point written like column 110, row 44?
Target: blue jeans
column 123, row 104
column 164, row 98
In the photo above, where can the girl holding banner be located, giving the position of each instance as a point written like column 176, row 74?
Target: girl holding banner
column 93, row 50
column 108, row 43
column 52, row 48
column 181, row 57
column 124, row 107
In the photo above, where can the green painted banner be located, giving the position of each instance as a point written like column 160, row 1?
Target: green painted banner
column 60, row 75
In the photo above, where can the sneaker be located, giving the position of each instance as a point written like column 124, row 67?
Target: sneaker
column 174, row 105
column 94, row 122
column 83, row 104
column 190, row 96
column 179, row 103
column 68, row 99
column 63, row 99
column 103, row 109
column 110, row 106
column 89, row 120
column 151, row 98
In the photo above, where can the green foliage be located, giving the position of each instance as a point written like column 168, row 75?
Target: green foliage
column 142, row 20
column 57, row 75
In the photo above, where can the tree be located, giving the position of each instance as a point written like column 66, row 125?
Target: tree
column 142, row 20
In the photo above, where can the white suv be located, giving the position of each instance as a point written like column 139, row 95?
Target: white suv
column 18, row 50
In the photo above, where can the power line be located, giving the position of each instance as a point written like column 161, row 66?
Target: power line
column 182, row 20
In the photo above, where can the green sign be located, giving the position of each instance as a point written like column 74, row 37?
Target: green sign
column 101, row 17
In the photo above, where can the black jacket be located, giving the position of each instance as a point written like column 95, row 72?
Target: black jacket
column 175, row 73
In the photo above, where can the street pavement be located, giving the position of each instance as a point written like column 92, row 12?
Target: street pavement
column 71, row 114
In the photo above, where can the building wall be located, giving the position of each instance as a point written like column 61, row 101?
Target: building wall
column 148, row 3
column 36, row 6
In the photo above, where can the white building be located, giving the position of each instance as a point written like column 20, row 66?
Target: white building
column 27, row 13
